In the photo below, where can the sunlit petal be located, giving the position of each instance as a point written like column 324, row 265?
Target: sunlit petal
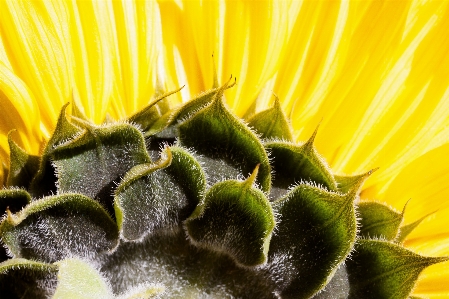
column 378, row 98
column 246, row 39
column 176, row 61
column 36, row 45
column 17, row 99
column 3, row 55
column 93, row 53
column 433, row 282
column 311, row 62
column 139, row 40
column 423, row 183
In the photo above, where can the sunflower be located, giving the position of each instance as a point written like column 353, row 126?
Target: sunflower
column 374, row 75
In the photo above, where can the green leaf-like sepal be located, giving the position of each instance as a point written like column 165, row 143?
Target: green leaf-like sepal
column 146, row 117
column 22, row 166
column 235, row 218
column 53, row 228
column 352, row 183
column 160, row 195
column 380, row 269
column 378, row 220
column 78, row 111
column 165, row 126
column 21, row 278
column 293, row 164
column 216, row 133
column 185, row 270
column 79, row 280
column 316, row 232
column 272, row 123
column 44, row 183
column 13, row 199
column 232, row 225
column 91, row 163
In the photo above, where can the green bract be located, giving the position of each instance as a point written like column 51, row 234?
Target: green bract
column 194, row 203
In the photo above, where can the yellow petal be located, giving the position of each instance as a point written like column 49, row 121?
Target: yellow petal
column 380, row 97
column 3, row 55
column 2, row 174
column 17, row 101
column 425, row 182
column 403, row 123
column 36, row 45
column 139, row 40
column 433, row 282
column 179, row 54
column 246, row 39
column 93, row 46
column 430, row 245
column 314, row 55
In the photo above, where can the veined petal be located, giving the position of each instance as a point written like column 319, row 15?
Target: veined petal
column 311, row 63
column 176, row 61
column 432, row 244
column 424, row 183
column 3, row 55
column 369, row 43
column 94, row 52
column 36, row 44
column 406, row 119
column 139, row 40
column 16, row 100
column 246, row 39
column 382, row 105
column 433, row 282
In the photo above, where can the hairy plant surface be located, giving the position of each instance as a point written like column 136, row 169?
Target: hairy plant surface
column 194, row 203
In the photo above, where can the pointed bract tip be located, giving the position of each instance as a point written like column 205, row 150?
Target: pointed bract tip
column 13, row 146
column 10, row 133
column 66, row 105
column 252, row 178
column 437, row 259
column 226, row 85
column 219, row 95
column 166, row 157
column 405, row 206
column 108, row 119
column 359, row 182
column 311, row 140
column 277, row 102
column 163, row 96
column 64, row 108
column 10, row 217
column 370, row 172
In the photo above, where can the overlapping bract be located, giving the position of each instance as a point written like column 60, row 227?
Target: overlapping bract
column 190, row 224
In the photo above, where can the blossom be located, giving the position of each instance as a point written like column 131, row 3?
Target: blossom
column 372, row 74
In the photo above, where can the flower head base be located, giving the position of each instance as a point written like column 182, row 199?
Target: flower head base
column 187, row 224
